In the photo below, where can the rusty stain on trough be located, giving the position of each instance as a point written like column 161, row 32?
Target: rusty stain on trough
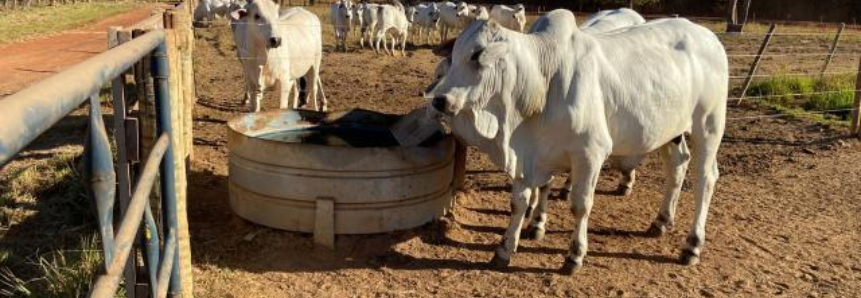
column 374, row 188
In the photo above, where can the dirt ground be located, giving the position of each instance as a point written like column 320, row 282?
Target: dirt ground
column 28, row 62
column 785, row 219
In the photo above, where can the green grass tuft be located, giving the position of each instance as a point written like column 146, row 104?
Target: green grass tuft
column 801, row 94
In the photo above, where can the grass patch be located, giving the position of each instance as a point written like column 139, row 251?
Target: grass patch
column 799, row 95
column 48, row 241
column 21, row 24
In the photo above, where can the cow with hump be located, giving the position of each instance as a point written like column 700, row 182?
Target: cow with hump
column 278, row 46
column 560, row 100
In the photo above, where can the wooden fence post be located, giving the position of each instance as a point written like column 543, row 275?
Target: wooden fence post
column 755, row 65
column 177, row 22
column 856, row 113
column 833, row 49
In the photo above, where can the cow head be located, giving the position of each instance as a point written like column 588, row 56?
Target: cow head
column 411, row 13
column 433, row 13
column 486, row 82
column 358, row 10
column 261, row 18
column 462, row 10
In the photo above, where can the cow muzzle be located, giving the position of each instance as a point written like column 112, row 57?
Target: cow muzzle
column 274, row 42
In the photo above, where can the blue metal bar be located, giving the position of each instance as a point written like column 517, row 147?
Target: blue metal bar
column 100, row 176
column 30, row 112
column 152, row 246
column 168, row 174
column 167, row 264
column 106, row 285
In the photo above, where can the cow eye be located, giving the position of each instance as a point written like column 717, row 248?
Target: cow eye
column 256, row 16
column 475, row 55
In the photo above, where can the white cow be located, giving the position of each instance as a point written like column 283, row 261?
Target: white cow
column 452, row 16
column 208, row 10
column 513, row 18
column 392, row 20
column 478, row 12
column 561, row 100
column 609, row 20
column 369, row 23
column 341, row 17
column 427, row 19
column 358, row 12
column 278, row 48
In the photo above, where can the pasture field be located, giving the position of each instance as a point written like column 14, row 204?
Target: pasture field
column 784, row 220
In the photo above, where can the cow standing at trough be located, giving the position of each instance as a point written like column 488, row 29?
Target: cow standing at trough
column 280, row 49
column 392, row 20
column 562, row 100
column 341, row 17
column 513, row 18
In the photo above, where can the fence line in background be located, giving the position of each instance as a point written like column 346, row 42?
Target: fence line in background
column 756, row 61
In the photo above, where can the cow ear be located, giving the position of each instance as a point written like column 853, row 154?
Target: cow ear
column 238, row 14
column 492, row 53
column 486, row 124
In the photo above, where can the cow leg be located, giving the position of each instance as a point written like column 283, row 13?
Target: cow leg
column 520, row 195
column 627, row 165
column 537, row 213
column 584, row 177
column 675, row 157
column 404, row 44
column 286, row 88
column 312, row 78
column 322, row 101
column 295, row 92
column 706, row 137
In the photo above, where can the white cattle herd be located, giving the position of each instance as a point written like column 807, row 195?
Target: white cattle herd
column 557, row 98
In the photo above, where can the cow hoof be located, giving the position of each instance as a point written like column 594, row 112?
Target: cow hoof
column 688, row 258
column 624, row 191
column 499, row 262
column 571, row 266
column 532, row 234
column 655, row 231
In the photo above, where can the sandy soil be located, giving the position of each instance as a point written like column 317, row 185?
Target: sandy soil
column 784, row 219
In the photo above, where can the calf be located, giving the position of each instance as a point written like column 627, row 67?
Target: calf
column 513, row 18
column 341, row 16
column 559, row 99
column 280, row 49
column 392, row 20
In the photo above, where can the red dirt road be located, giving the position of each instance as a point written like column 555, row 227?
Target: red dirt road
column 25, row 63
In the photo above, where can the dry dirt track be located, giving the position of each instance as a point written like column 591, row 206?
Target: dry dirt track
column 28, row 62
column 785, row 220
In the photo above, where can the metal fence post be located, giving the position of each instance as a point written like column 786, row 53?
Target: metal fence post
column 833, row 49
column 856, row 112
column 168, row 175
column 755, row 65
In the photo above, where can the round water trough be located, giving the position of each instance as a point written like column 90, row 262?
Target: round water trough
column 339, row 173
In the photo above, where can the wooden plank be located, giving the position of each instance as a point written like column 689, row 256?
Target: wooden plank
column 123, row 168
column 833, row 49
column 755, row 65
column 324, row 222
